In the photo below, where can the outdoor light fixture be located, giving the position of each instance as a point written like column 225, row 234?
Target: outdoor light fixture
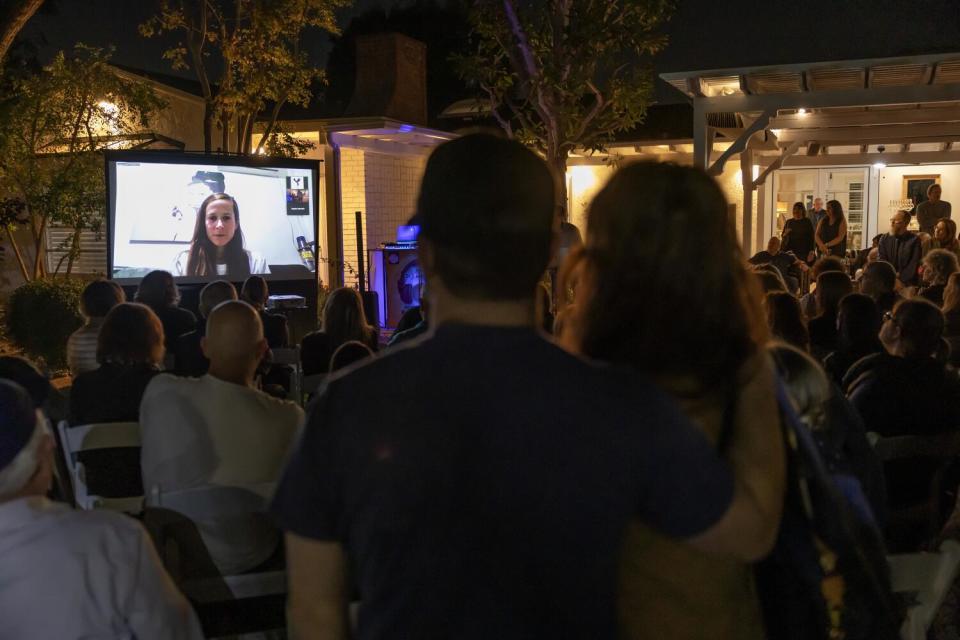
column 801, row 112
column 880, row 164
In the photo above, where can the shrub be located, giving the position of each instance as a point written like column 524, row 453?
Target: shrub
column 41, row 315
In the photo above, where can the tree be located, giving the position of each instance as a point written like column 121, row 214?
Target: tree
column 564, row 74
column 52, row 131
column 247, row 55
column 14, row 14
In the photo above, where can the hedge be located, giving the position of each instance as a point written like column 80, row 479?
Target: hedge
column 41, row 315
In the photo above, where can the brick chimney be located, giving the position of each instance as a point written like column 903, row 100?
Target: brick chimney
column 391, row 78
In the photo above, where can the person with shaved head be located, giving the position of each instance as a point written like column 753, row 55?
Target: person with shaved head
column 218, row 429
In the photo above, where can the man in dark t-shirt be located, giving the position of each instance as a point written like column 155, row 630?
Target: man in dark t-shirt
column 478, row 481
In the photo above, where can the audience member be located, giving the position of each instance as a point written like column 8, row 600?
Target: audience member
column 130, row 350
column 544, row 308
column 72, row 574
column 798, row 235
column 867, row 255
column 831, row 233
column 158, row 291
column 858, row 334
column 255, row 293
column 769, row 279
column 836, row 428
column 902, row 249
column 816, row 213
column 808, row 302
column 831, row 288
column 905, row 391
column 97, row 299
column 938, row 266
column 218, row 429
column 945, row 236
column 45, row 396
column 785, row 320
column 343, row 321
column 879, row 281
column 188, row 357
column 932, row 209
column 712, row 361
column 785, row 262
column 951, row 317
column 446, row 507
column 349, row 353
column 415, row 330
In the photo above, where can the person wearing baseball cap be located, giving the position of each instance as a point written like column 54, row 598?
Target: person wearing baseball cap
column 102, row 565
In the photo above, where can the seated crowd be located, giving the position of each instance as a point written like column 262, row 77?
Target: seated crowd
column 631, row 475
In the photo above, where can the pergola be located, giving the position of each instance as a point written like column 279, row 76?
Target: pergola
column 892, row 110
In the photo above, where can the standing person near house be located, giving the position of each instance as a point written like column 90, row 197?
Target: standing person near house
column 816, row 214
column 932, row 209
column 902, row 249
column 831, row 236
column 798, row 235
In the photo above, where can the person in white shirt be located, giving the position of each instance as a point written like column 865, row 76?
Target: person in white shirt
column 220, row 430
column 72, row 574
column 96, row 301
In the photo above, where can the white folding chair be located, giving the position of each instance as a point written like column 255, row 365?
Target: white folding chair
column 94, row 437
column 291, row 356
column 217, row 502
column 929, row 576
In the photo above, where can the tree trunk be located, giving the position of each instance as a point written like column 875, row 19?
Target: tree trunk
column 207, row 127
column 74, row 251
column 38, row 269
column 19, row 254
column 14, row 20
column 557, row 159
column 225, row 134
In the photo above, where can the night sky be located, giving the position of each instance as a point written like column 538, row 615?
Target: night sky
column 703, row 34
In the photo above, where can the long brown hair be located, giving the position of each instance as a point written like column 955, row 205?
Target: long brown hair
column 951, row 294
column 344, row 319
column 665, row 286
column 201, row 260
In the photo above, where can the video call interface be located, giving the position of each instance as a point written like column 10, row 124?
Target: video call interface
column 156, row 219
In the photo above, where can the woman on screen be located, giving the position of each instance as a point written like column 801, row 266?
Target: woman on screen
column 217, row 246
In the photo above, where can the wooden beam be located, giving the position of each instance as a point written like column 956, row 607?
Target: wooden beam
column 746, row 179
column 740, row 144
column 914, row 157
column 865, row 118
column 702, row 137
column 776, row 164
column 873, row 96
column 884, row 133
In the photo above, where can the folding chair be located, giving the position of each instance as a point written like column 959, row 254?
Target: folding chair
column 929, row 576
column 226, row 604
column 290, row 356
column 937, row 452
column 221, row 502
column 93, row 437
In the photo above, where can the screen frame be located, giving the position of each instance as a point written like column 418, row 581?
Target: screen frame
column 111, row 157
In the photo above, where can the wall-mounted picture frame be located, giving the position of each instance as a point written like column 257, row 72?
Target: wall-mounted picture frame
column 915, row 187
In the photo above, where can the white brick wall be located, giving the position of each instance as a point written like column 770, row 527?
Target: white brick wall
column 384, row 187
